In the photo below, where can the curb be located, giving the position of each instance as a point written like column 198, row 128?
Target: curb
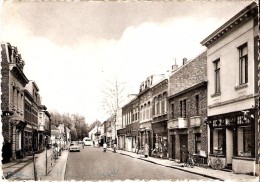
column 29, row 161
column 204, row 175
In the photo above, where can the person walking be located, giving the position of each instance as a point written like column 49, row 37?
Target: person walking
column 146, row 150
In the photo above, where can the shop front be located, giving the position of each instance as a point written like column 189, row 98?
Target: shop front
column 145, row 136
column 160, row 140
column 233, row 140
column 121, row 138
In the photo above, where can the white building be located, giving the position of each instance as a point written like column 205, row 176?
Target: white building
column 232, row 60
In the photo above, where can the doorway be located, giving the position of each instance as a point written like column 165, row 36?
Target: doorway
column 183, row 147
column 173, row 146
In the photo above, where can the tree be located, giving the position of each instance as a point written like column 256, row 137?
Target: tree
column 75, row 122
column 113, row 98
column 95, row 123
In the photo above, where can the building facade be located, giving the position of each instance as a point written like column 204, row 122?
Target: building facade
column 188, row 109
column 32, row 108
column 232, row 53
column 44, row 127
column 160, row 118
column 13, row 82
column 131, row 125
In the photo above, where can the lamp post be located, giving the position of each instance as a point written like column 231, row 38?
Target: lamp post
column 46, row 158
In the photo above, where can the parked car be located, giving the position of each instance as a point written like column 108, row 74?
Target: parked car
column 74, row 147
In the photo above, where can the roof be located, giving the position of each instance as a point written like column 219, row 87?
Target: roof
column 240, row 18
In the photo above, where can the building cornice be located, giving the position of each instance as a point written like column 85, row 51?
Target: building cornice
column 204, row 83
column 240, row 18
column 18, row 73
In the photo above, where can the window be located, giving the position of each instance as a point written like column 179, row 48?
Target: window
column 148, row 111
column 165, row 103
column 154, row 105
column 158, row 105
column 244, row 138
column 144, row 111
column 197, row 104
column 172, row 111
column 217, row 76
column 197, row 142
column 183, row 108
column 141, row 113
column 133, row 115
column 243, row 64
column 218, row 136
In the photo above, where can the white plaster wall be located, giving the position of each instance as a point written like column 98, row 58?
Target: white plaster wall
column 229, row 146
column 243, row 166
column 227, row 51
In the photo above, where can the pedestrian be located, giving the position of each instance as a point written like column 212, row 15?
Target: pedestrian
column 105, row 147
column 146, row 150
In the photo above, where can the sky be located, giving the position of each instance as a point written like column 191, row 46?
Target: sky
column 72, row 49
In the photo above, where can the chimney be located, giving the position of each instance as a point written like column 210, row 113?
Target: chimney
column 174, row 67
column 184, row 61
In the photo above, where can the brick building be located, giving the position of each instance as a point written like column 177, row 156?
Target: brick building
column 129, row 134
column 188, row 108
column 13, row 82
column 31, row 108
column 160, row 119
column 232, row 59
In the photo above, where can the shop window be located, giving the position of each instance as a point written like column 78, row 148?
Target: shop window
column 197, row 142
column 218, row 136
column 244, row 138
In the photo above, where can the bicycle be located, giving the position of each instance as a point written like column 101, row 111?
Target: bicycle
column 190, row 161
column 199, row 161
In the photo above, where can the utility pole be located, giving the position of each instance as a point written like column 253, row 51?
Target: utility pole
column 46, row 170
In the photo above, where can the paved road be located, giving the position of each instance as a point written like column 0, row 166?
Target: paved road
column 94, row 164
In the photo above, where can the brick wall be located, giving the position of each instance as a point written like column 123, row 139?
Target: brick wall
column 190, row 74
column 190, row 102
column 187, row 82
column 5, row 91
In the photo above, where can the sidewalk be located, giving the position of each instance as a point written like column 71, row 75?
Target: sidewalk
column 206, row 172
column 23, row 169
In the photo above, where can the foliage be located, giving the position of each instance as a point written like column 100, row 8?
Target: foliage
column 75, row 122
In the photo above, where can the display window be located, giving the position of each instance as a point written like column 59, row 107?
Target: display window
column 218, row 136
column 244, row 138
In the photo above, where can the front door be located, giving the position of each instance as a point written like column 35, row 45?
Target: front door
column 173, row 146
column 183, row 147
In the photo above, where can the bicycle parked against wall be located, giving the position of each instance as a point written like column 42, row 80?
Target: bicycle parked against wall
column 200, row 158
column 190, row 161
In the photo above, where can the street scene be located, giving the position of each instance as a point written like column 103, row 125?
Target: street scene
column 130, row 91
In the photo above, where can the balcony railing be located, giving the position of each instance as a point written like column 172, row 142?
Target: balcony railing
column 195, row 121
column 178, row 123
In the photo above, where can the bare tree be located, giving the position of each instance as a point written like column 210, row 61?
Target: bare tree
column 114, row 93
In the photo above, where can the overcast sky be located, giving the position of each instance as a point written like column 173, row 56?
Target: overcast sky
column 71, row 48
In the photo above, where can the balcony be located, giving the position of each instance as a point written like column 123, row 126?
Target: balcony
column 178, row 123
column 195, row 121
